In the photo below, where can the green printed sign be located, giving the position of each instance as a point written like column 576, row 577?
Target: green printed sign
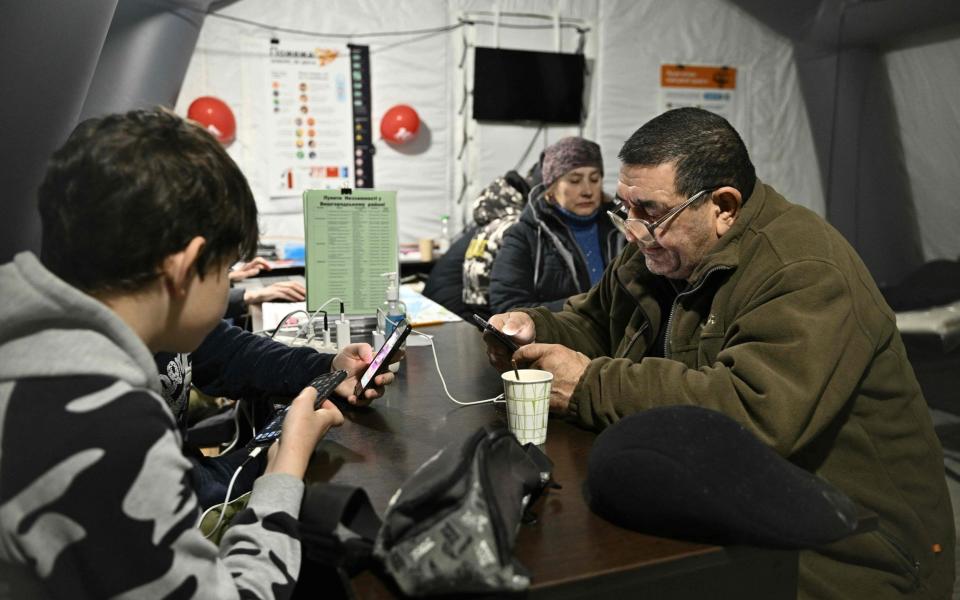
column 350, row 241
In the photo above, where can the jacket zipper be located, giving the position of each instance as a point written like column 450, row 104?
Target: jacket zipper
column 579, row 252
column 643, row 327
column 633, row 340
column 673, row 307
column 912, row 565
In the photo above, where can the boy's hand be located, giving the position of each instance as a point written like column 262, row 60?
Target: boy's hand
column 354, row 360
column 303, row 427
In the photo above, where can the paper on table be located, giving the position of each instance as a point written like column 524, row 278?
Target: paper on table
column 424, row 311
column 274, row 311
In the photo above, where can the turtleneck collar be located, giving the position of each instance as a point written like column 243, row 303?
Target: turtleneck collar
column 575, row 221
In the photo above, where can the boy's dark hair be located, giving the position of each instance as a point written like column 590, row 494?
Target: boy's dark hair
column 707, row 150
column 127, row 190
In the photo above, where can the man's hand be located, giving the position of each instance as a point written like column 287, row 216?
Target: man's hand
column 285, row 291
column 566, row 365
column 250, row 269
column 302, row 429
column 517, row 325
column 354, row 360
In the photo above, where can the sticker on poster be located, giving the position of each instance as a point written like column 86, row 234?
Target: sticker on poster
column 713, row 88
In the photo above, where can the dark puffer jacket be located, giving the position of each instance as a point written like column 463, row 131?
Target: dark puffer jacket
column 540, row 262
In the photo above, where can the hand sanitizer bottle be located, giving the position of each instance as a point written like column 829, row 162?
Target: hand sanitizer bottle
column 393, row 310
column 443, row 242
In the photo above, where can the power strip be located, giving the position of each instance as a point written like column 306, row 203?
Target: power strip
column 317, row 344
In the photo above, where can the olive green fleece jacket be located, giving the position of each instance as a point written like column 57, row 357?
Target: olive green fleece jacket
column 782, row 328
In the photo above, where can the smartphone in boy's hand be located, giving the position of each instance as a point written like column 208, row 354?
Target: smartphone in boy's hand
column 382, row 358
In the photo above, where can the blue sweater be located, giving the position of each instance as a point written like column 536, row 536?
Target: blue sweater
column 586, row 232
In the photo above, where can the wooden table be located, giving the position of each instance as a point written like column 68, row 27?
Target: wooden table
column 570, row 552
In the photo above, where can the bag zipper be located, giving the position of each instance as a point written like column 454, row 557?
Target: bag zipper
column 496, row 523
column 427, row 495
column 413, row 505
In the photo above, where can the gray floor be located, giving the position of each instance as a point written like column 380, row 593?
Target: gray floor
column 948, row 427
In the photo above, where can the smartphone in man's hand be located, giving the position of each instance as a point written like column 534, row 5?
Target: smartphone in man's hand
column 503, row 338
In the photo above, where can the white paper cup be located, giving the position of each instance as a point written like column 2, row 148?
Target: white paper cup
column 528, row 404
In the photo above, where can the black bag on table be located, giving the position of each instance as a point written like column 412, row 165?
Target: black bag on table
column 451, row 526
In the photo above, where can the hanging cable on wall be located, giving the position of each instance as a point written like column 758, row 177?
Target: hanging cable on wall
column 526, row 152
column 464, row 118
column 497, row 19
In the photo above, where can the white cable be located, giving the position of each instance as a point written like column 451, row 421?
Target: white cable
column 284, row 320
column 301, row 327
column 436, row 361
column 308, row 326
column 236, row 428
column 226, row 499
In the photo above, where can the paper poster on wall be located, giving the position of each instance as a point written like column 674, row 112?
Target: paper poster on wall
column 350, row 242
column 319, row 124
column 709, row 87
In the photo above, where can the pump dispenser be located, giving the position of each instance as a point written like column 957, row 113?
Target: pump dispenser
column 393, row 310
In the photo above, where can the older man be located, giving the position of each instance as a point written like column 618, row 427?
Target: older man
column 731, row 298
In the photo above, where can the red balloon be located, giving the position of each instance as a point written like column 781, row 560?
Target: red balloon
column 215, row 116
column 399, row 124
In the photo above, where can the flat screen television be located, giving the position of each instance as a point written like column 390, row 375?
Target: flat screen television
column 520, row 85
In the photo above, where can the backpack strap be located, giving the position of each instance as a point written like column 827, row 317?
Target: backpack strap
column 338, row 525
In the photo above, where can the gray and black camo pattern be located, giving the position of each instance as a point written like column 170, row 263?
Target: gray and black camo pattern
column 458, row 553
column 496, row 208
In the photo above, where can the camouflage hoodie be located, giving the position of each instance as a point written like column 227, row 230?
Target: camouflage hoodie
column 95, row 499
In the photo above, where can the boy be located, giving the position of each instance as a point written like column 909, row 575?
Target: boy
column 142, row 216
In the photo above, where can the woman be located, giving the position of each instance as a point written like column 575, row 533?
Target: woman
column 563, row 241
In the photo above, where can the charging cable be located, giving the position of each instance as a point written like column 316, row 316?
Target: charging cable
column 343, row 329
column 309, row 326
column 226, row 500
column 284, row 320
column 236, row 428
column 498, row 398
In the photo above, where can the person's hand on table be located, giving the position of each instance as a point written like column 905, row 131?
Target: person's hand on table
column 566, row 365
column 250, row 269
column 517, row 325
column 302, row 429
column 354, row 360
column 284, row 291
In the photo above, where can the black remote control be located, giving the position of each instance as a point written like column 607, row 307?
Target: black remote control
column 324, row 385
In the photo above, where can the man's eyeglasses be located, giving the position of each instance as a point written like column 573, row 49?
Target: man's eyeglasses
column 643, row 230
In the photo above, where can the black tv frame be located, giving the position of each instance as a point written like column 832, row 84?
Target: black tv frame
column 528, row 86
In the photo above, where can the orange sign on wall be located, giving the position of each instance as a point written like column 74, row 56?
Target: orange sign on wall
column 698, row 76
